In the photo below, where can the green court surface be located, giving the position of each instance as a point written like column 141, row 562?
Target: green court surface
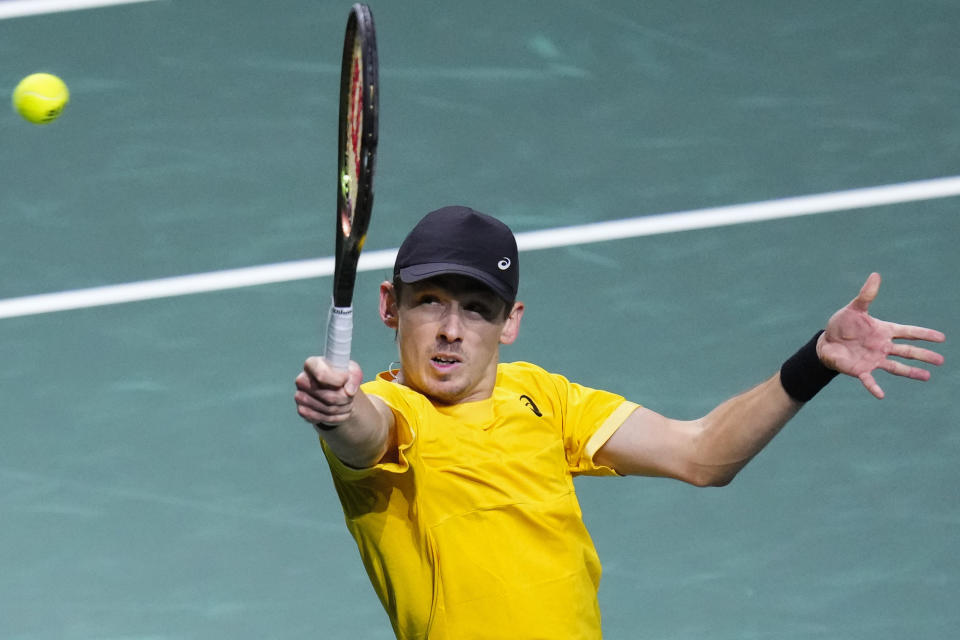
column 155, row 480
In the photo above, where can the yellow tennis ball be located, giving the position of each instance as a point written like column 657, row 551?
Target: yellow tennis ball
column 40, row 97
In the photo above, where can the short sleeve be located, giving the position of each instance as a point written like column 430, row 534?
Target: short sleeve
column 590, row 417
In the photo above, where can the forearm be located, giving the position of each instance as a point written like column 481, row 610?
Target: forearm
column 365, row 437
column 733, row 433
column 710, row 451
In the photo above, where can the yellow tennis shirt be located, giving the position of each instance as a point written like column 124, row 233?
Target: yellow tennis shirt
column 475, row 531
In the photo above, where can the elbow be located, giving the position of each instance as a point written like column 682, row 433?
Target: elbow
column 708, row 467
column 711, row 476
column 720, row 481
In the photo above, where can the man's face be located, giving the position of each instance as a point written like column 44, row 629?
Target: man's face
column 449, row 330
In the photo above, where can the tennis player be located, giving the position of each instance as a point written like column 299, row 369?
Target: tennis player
column 455, row 471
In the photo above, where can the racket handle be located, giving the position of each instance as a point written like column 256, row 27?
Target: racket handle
column 339, row 336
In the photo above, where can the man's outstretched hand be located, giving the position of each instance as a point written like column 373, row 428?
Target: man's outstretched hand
column 856, row 344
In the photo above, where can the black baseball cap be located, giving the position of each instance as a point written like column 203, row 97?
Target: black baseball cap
column 459, row 240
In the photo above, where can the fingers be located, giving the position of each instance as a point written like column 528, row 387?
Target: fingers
column 325, row 395
column 909, row 332
column 916, row 353
column 871, row 385
column 868, row 293
column 900, row 369
column 323, row 374
column 904, row 370
column 316, row 411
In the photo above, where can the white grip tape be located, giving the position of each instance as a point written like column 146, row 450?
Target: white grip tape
column 339, row 334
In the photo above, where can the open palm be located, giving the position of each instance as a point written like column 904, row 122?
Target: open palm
column 856, row 344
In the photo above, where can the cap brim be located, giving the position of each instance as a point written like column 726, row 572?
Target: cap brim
column 419, row 272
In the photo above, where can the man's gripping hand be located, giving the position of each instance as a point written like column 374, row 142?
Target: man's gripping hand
column 325, row 396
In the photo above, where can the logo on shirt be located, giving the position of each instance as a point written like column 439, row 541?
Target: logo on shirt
column 528, row 401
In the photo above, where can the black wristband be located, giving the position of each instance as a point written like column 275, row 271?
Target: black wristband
column 803, row 374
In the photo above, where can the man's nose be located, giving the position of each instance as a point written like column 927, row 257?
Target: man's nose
column 451, row 324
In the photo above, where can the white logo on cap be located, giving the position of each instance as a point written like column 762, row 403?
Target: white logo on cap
column 504, row 264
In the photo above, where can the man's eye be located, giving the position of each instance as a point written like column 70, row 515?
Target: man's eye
column 478, row 309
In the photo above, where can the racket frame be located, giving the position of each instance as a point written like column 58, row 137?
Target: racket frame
column 356, row 155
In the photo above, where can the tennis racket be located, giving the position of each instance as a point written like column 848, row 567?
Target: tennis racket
column 355, row 159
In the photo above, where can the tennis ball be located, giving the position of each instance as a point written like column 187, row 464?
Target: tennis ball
column 40, row 97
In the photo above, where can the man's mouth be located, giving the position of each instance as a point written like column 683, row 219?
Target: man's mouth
column 444, row 361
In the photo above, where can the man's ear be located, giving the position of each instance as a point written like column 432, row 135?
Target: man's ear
column 511, row 328
column 388, row 304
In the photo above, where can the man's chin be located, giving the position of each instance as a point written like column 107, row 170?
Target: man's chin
column 448, row 391
column 446, row 396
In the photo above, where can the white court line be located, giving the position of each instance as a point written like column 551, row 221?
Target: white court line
column 528, row 241
column 19, row 8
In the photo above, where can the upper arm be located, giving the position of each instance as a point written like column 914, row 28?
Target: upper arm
column 649, row 444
